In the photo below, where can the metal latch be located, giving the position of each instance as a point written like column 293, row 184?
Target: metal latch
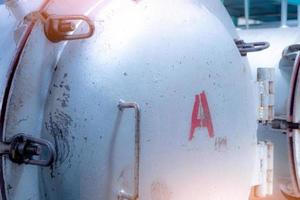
column 59, row 28
column 290, row 53
column 23, row 149
column 265, row 81
column 245, row 48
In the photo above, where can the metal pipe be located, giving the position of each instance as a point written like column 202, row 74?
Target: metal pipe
column 298, row 15
column 246, row 6
column 284, row 9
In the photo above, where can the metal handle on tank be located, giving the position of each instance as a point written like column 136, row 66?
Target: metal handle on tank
column 245, row 48
column 291, row 52
column 132, row 105
column 60, row 28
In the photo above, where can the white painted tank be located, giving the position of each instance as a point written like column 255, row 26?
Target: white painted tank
column 274, row 57
column 191, row 93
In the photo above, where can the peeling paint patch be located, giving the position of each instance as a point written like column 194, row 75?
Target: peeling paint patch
column 65, row 92
column 58, row 126
column 64, row 100
column 9, row 188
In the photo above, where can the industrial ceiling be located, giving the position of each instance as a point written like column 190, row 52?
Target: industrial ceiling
column 262, row 10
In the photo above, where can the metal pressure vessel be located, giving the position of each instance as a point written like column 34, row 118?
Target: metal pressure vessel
column 146, row 100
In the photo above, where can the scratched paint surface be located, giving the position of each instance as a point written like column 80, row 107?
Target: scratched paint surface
column 145, row 61
column 25, row 109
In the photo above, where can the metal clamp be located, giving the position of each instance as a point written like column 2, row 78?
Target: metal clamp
column 22, row 149
column 131, row 105
column 60, row 27
column 284, row 125
column 245, row 48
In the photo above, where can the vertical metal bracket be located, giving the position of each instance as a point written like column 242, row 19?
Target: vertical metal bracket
column 265, row 80
column 264, row 169
column 132, row 105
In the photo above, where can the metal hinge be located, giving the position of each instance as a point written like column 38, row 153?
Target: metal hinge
column 265, row 81
column 59, row 28
column 23, row 149
column 245, row 48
